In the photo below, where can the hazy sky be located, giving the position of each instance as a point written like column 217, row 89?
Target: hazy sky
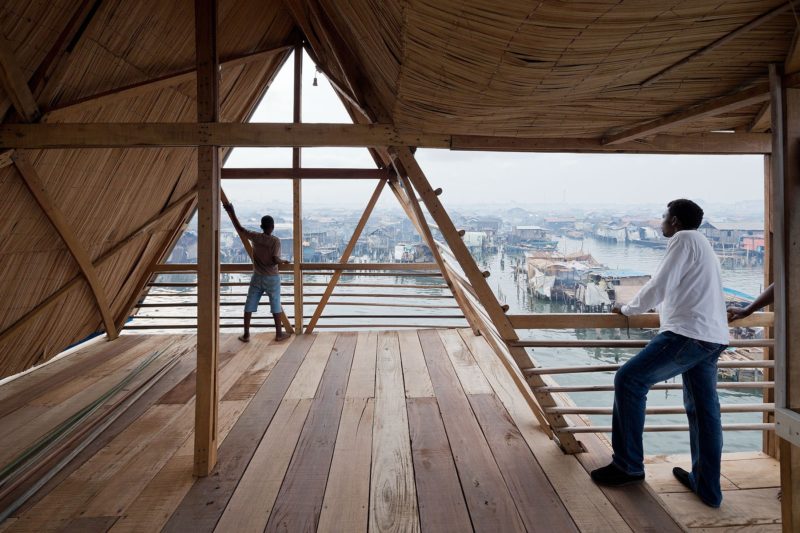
column 490, row 177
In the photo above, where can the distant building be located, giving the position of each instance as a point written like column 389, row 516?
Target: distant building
column 730, row 234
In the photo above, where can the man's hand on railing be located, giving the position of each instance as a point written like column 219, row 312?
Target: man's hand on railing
column 617, row 309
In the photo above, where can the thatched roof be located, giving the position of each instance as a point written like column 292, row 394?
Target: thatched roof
column 515, row 68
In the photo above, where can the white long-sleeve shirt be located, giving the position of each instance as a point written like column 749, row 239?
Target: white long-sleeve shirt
column 687, row 290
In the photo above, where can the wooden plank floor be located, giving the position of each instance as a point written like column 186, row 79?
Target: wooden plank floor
column 369, row 431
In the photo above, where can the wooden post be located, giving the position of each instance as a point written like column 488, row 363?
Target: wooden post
column 208, row 201
column 346, row 255
column 769, row 444
column 297, row 196
column 786, row 261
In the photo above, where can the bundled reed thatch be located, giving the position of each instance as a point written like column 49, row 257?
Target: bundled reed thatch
column 518, row 68
column 107, row 194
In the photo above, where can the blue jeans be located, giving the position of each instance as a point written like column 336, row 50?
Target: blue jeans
column 666, row 356
column 260, row 284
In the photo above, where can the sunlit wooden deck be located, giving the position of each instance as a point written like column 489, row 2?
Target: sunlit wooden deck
column 404, row 431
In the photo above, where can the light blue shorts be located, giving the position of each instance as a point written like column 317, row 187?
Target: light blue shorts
column 260, row 284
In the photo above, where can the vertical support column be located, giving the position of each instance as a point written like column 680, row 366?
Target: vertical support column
column 297, row 195
column 769, row 441
column 208, row 200
column 786, row 261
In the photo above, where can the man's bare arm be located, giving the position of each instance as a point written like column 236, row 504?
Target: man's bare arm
column 764, row 299
column 229, row 208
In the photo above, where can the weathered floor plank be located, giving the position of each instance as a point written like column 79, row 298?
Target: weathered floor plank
column 588, row 506
column 346, row 503
column 393, row 497
column 206, row 500
column 537, row 501
column 362, row 374
column 299, row 502
column 490, row 504
column 252, row 502
column 415, row 372
column 441, row 502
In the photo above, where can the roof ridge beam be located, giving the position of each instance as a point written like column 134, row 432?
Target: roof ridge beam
column 717, row 106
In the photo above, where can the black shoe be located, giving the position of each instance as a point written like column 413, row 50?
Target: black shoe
column 611, row 476
column 682, row 476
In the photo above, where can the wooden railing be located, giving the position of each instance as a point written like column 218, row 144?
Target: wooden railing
column 386, row 305
column 579, row 422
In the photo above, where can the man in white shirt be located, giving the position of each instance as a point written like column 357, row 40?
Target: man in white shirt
column 687, row 290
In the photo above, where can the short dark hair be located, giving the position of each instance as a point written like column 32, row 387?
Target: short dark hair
column 687, row 212
column 267, row 222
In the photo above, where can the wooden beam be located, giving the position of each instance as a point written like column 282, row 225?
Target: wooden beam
column 769, row 439
column 705, row 143
column 170, row 80
column 208, row 215
column 162, row 251
column 610, row 320
column 717, row 106
column 786, row 266
column 297, row 193
column 282, row 135
column 15, row 84
column 153, row 221
column 96, row 135
column 348, row 250
column 761, row 19
column 792, row 62
column 6, row 159
column 175, row 268
column 414, row 213
column 306, row 173
column 35, row 185
column 761, row 121
column 46, row 82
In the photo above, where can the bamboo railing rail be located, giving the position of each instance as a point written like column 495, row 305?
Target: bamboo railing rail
column 436, row 314
column 567, row 321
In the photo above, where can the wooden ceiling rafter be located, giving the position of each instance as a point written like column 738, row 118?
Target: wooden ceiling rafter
column 79, row 253
column 170, row 80
column 16, row 87
column 717, row 106
column 754, row 23
column 761, row 121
